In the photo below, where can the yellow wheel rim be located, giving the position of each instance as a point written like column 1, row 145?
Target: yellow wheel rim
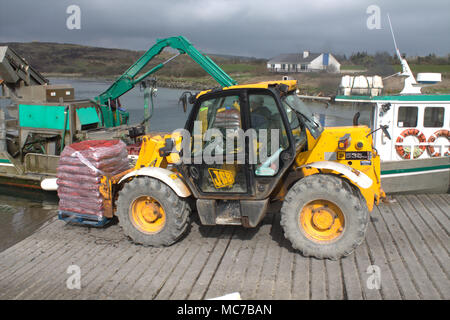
column 147, row 215
column 322, row 221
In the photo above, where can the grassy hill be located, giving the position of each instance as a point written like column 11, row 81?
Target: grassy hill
column 55, row 59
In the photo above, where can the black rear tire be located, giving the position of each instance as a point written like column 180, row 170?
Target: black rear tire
column 333, row 190
column 176, row 210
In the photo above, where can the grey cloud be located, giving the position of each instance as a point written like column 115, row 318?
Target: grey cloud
column 254, row 28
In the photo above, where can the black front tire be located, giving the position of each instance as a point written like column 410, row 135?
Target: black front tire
column 176, row 210
column 339, row 192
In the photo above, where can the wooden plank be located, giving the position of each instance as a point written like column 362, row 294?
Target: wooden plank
column 81, row 258
column 352, row 283
column 417, row 272
column 101, row 271
column 55, row 275
column 389, row 284
column 318, row 279
column 301, row 276
column 181, row 268
column 363, row 262
column 10, row 256
column 335, row 290
column 223, row 269
column 152, row 288
column 284, row 280
column 446, row 197
column 152, row 269
column 406, row 284
column 423, row 247
column 254, row 271
column 444, row 207
column 185, row 285
column 29, row 268
column 95, row 270
column 270, row 266
column 125, row 289
column 129, row 267
column 427, row 213
column 242, row 261
column 203, row 282
column 21, row 283
column 27, row 250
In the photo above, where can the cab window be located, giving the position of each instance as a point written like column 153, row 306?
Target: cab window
column 222, row 114
column 297, row 131
column 271, row 135
column 264, row 114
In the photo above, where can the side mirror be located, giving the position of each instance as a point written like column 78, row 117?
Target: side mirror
column 183, row 101
column 185, row 98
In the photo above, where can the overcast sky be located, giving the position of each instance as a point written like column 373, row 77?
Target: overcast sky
column 238, row 27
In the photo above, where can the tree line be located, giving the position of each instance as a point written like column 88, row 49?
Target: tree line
column 367, row 60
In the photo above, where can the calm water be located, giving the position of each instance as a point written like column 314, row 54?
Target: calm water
column 21, row 215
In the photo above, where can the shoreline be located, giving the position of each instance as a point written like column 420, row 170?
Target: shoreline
column 315, row 84
column 163, row 82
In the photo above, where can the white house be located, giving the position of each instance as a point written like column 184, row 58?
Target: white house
column 304, row 62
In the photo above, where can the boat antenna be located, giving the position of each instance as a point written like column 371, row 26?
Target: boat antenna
column 393, row 37
column 410, row 81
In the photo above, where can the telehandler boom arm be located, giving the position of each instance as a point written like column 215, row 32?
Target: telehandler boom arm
column 128, row 80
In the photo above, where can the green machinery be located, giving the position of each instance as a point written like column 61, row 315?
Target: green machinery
column 108, row 100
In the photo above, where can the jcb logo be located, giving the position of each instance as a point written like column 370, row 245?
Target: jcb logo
column 221, row 178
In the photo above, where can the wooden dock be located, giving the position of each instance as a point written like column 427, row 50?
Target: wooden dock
column 408, row 240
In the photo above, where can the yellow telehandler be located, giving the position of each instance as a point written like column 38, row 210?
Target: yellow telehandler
column 244, row 147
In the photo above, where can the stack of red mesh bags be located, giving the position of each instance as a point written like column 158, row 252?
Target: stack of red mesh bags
column 80, row 168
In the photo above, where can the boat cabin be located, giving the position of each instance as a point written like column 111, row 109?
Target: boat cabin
column 420, row 123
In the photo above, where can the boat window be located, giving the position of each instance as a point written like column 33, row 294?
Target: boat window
column 434, row 117
column 407, row 117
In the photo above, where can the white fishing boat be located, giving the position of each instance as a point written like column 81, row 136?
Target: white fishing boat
column 412, row 130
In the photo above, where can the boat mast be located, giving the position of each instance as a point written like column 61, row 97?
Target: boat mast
column 410, row 80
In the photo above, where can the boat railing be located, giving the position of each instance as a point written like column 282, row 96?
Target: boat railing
column 41, row 163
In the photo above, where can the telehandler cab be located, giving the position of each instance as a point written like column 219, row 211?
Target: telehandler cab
column 328, row 179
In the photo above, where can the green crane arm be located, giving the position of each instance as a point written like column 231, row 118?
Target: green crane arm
column 127, row 81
